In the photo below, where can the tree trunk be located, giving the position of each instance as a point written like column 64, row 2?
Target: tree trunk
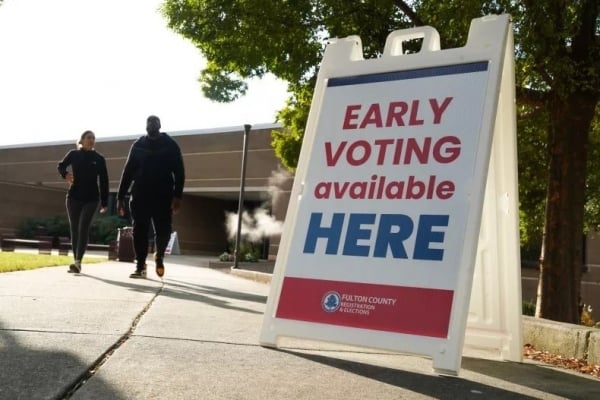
column 561, row 257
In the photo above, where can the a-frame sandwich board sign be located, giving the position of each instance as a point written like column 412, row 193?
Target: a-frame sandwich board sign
column 380, row 240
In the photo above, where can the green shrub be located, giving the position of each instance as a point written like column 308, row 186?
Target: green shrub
column 250, row 257
column 105, row 227
column 57, row 225
column 528, row 308
column 249, row 252
column 102, row 231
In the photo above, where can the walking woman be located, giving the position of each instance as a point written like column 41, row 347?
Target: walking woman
column 88, row 183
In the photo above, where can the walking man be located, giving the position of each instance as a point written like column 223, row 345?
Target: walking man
column 155, row 174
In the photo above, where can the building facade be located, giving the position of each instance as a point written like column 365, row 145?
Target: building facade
column 31, row 186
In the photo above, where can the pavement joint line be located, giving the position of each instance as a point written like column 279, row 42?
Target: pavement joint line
column 282, row 348
column 129, row 334
column 91, row 371
column 51, row 331
column 199, row 340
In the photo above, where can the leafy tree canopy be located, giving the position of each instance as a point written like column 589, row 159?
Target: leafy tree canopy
column 243, row 39
column 557, row 74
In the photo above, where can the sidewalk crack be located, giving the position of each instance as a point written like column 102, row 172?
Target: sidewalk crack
column 91, row 371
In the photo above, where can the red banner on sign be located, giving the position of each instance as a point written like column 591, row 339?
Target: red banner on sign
column 401, row 309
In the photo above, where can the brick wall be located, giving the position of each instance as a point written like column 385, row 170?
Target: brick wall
column 19, row 201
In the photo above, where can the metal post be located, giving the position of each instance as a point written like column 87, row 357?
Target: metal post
column 238, row 234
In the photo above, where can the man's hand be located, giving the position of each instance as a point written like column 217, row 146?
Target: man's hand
column 121, row 207
column 69, row 178
column 175, row 205
column 102, row 210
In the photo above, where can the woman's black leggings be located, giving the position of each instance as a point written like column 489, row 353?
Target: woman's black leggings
column 80, row 218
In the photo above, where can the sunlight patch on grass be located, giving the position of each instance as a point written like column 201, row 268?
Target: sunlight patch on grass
column 10, row 261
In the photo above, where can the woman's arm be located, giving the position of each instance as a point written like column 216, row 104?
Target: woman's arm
column 103, row 175
column 64, row 164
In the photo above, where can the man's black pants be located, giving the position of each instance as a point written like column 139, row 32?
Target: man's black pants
column 145, row 211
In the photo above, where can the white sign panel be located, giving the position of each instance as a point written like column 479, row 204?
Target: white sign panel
column 385, row 200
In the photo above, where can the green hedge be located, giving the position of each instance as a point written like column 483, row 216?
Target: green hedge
column 102, row 231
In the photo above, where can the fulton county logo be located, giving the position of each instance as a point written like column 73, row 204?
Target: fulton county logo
column 331, row 301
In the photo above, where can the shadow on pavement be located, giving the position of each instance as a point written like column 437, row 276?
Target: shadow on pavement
column 195, row 293
column 27, row 371
column 536, row 376
column 439, row 387
column 219, row 291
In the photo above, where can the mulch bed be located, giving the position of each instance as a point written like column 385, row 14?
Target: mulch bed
column 572, row 363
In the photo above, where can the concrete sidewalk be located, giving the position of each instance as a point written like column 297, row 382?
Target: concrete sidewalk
column 101, row 335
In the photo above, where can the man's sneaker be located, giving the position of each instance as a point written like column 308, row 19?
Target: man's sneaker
column 139, row 273
column 74, row 269
column 160, row 266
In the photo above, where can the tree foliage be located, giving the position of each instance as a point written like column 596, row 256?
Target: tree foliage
column 592, row 189
column 557, row 56
column 246, row 39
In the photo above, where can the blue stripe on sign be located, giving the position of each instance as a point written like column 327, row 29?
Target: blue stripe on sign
column 409, row 74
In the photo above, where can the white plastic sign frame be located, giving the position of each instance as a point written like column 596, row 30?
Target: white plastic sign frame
column 381, row 233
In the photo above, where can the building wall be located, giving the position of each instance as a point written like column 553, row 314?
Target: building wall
column 590, row 280
column 590, row 277
column 19, row 201
column 212, row 161
column 592, row 248
column 200, row 225
column 279, row 207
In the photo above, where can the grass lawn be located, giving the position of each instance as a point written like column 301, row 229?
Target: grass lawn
column 10, row 261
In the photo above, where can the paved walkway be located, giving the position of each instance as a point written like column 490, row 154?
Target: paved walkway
column 101, row 335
